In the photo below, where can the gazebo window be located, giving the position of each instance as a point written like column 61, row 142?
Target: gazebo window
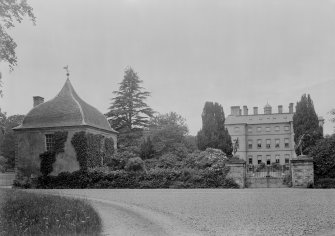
column 49, row 142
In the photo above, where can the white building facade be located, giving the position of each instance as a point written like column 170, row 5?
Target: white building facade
column 267, row 137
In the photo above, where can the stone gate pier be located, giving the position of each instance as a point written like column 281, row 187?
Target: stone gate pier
column 302, row 171
column 237, row 171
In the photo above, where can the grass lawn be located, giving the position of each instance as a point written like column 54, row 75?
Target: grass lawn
column 24, row 213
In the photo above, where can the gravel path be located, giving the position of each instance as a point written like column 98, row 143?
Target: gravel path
column 214, row 211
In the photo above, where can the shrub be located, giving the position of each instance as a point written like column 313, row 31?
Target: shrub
column 3, row 161
column 47, row 160
column 60, row 139
column 155, row 178
column 260, row 167
column 325, row 183
column 109, row 147
column 135, row 164
column 147, row 149
column 119, row 160
column 288, row 179
column 323, row 154
column 79, row 142
column 168, row 160
column 277, row 166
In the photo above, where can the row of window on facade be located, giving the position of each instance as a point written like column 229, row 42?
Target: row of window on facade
column 259, row 129
column 268, row 143
column 268, row 159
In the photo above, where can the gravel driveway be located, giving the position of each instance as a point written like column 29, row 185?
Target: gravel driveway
column 213, row 211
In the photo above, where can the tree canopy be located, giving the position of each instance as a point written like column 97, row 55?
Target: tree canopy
column 168, row 132
column 213, row 133
column 323, row 154
column 305, row 121
column 129, row 109
column 11, row 11
column 7, row 145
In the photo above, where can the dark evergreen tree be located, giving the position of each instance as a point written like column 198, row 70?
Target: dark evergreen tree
column 305, row 121
column 128, row 109
column 213, row 133
column 129, row 113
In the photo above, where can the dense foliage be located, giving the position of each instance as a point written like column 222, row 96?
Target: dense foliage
column 48, row 158
column 7, row 144
column 79, row 143
column 305, row 121
column 213, row 133
column 92, row 150
column 167, row 133
column 24, row 213
column 323, row 154
column 156, row 178
column 60, row 139
column 325, row 183
column 147, row 149
column 128, row 109
column 11, row 11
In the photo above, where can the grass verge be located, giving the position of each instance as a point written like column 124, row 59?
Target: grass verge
column 24, row 213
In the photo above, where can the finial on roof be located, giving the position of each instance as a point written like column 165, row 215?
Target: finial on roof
column 67, row 71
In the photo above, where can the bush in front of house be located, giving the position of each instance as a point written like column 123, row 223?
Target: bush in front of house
column 154, row 178
column 24, row 213
column 325, row 183
column 135, row 164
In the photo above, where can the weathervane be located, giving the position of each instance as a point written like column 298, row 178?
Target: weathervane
column 67, row 70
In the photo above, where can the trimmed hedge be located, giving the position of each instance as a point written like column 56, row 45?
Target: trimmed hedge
column 157, row 178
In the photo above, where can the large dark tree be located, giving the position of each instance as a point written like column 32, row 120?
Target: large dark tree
column 8, row 144
column 213, row 133
column 129, row 113
column 128, row 109
column 305, row 121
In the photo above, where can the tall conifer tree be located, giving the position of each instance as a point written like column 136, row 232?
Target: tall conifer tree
column 305, row 121
column 129, row 109
column 213, row 133
column 129, row 113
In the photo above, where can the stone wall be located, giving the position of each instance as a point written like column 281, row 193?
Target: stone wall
column 237, row 172
column 302, row 172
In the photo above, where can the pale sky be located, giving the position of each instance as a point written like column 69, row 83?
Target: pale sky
column 186, row 52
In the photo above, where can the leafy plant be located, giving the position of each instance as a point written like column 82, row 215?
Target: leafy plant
column 47, row 160
column 79, row 142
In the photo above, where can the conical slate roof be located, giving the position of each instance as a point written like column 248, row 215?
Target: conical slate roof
column 66, row 109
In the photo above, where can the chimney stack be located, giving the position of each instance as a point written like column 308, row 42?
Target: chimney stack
column 255, row 110
column 280, row 109
column 245, row 110
column 37, row 100
column 290, row 108
column 235, row 111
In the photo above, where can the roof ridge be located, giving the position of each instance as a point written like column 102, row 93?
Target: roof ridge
column 79, row 106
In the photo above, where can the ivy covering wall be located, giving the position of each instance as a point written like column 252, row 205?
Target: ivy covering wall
column 48, row 158
column 92, row 149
